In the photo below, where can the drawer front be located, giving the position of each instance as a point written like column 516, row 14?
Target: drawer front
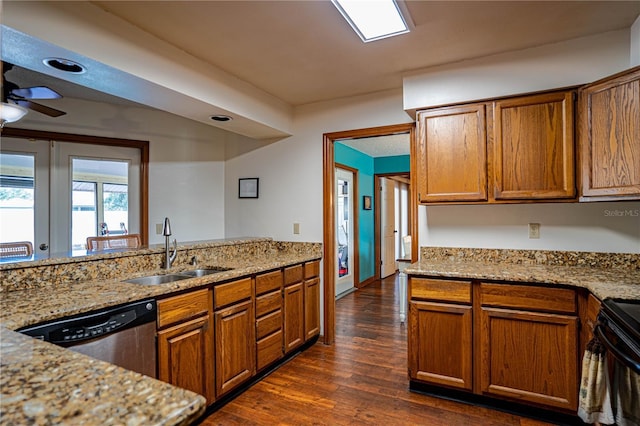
column 311, row 269
column 537, row 298
column 230, row 293
column 183, row 307
column 269, row 350
column 293, row 275
column 268, row 303
column 268, row 324
column 268, row 282
column 445, row 290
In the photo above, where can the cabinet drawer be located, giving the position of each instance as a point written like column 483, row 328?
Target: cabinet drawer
column 311, row 269
column 227, row 294
column 268, row 303
column 268, row 282
column 445, row 290
column 545, row 299
column 269, row 349
column 293, row 275
column 182, row 307
column 268, row 324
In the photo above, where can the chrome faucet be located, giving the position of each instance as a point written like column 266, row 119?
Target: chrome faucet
column 168, row 256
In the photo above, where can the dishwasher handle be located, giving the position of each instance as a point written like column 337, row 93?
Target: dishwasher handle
column 80, row 328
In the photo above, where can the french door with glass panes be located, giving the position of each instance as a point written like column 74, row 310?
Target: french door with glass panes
column 24, row 193
column 94, row 191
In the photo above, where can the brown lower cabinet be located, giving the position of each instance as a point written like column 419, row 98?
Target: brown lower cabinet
column 508, row 341
column 213, row 340
column 530, row 356
column 234, row 334
column 185, row 342
column 293, row 302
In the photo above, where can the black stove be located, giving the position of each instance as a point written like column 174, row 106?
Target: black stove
column 619, row 330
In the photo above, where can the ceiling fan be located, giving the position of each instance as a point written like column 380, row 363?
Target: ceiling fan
column 11, row 92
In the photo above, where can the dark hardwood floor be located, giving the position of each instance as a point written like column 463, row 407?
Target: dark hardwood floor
column 362, row 379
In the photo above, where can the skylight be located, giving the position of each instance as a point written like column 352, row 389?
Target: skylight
column 373, row 19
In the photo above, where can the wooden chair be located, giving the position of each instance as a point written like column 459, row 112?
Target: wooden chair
column 109, row 242
column 16, row 249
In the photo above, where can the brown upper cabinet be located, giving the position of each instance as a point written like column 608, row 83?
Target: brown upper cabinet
column 452, row 146
column 508, row 150
column 533, row 147
column 609, row 138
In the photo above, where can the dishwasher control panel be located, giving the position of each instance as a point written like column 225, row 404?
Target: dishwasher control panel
column 71, row 334
column 79, row 328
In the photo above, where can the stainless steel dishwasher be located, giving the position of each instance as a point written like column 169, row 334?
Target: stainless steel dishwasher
column 124, row 335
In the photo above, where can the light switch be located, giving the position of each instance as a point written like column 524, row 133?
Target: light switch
column 296, row 228
column 158, row 228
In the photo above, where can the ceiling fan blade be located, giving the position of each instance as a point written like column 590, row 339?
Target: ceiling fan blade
column 36, row 92
column 51, row 112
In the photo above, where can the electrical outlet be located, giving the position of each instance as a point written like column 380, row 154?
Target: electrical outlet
column 534, row 231
column 158, row 228
column 296, row 228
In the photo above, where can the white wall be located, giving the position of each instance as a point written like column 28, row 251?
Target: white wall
column 635, row 43
column 605, row 227
column 290, row 171
column 186, row 167
column 568, row 63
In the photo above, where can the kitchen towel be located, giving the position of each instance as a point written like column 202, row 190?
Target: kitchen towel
column 595, row 401
column 627, row 386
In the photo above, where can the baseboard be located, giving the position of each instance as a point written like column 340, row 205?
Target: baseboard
column 510, row 407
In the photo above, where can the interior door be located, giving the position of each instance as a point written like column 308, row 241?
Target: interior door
column 345, row 280
column 388, row 228
column 24, row 192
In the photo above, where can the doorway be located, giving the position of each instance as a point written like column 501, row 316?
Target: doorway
column 346, row 231
column 329, row 217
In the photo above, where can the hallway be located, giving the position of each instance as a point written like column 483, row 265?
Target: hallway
column 362, row 379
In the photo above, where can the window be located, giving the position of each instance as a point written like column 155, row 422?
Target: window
column 56, row 194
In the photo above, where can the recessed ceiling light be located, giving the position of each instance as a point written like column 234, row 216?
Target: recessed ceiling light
column 221, row 118
column 65, row 65
column 373, row 19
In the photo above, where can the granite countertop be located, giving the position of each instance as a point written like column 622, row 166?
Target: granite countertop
column 45, row 384
column 602, row 282
column 79, row 297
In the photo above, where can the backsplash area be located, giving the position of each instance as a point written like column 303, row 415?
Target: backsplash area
column 112, row 265
column 629, row 261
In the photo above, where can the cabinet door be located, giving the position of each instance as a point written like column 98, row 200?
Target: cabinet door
column 312, row 308
column 185, row 356
column 293, row 316
column 452, row 154
column 533, row 147
column 530, row 357
column 235, row 350
column 440, row 344
column 609, row 137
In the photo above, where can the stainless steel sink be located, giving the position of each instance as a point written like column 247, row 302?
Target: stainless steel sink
column 204, row 271
column 158, row 279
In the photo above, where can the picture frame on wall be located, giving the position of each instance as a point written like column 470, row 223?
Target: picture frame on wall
column 366, row 202
column 248, row 187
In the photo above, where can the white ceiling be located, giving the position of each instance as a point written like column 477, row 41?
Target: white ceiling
column 380, row 146
column 302, row 51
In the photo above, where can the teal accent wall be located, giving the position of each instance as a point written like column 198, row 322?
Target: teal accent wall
column 395, row 164
column 367, row 167
column 357, row 160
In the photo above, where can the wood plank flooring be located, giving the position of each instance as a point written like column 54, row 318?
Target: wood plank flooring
column 362, row 379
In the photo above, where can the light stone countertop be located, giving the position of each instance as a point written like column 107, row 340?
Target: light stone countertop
column 602, row 282
column 44, row 384
column 41, row 383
